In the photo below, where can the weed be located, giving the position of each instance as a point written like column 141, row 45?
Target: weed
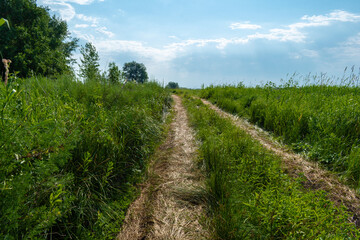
column 71, row 154
column 251, row 197
column 320, row 118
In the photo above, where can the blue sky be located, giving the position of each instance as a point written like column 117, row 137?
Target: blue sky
column 195, row 42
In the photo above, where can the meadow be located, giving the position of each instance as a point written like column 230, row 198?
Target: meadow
column 72, row 153
column 319, row 120
column 252, row 198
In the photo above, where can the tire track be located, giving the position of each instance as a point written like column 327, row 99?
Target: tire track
column 173, row 200
column 295, row 166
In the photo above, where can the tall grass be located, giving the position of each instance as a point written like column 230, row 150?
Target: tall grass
column 71, row 153
column 320, row 120
column 252, row 197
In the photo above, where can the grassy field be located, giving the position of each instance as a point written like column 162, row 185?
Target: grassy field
column 252, row 197
column 71, row 154
column 320, row 121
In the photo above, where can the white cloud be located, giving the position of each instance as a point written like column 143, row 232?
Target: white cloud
column 118, row 46
column 352, row 41
column 307, row 53
column 337, row 15
column 325, row 20
column 348, row 49
column 290, row 33
column 295, row 56
column 279, row 34
column 104, row 31
column 66, row 11
column 93, row 20
column 294, row 32
column 87, row 37
column 167, row 53
column 220, row 43
column 82, row 25
column 310, row 53
column 245, row 25
column 64, row 7
column 80, row 2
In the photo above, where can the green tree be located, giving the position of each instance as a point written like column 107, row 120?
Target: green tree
column 37, row 43
column 114, row 73
column 172, row 85
column 89, row 67
column 135, row 72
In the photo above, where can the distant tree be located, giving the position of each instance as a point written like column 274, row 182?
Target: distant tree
column 172, row 85
column 114, row 73
column 36, row 42
column 89, row 67
column 134, row 71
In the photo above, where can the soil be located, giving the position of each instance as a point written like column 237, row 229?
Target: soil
column 172, row 203
column 295, row 165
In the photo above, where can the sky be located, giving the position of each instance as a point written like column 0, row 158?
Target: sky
column 202, row 42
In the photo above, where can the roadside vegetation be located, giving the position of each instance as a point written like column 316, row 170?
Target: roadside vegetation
column 71, row 149
column 71, row 154
column 320, row 120
column 252, row 197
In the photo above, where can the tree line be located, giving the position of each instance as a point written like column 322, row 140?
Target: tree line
column 89, row 68
column 40, row 44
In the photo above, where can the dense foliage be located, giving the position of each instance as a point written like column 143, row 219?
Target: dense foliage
column 70, row 154
column 114, row 74
column 321, row 121
column 252, row 197
column 36, row 43
column 89, row 67
column 172, row 85
column 134, row 71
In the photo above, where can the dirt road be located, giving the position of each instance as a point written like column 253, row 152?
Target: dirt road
column 172, row 203
column 173, row 199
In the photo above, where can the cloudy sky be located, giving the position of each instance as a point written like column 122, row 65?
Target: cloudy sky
column 195, row 42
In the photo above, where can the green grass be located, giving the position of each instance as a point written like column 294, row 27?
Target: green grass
column 71, row 154
column 321, row 121
column 252, row 197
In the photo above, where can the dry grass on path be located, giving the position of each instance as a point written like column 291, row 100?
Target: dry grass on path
column 172, row 203
column 295, row 166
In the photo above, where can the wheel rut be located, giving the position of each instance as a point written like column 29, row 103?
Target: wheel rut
column 172, row 203
column 295, row 165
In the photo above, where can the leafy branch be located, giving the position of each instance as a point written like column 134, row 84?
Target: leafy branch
column 3, row 21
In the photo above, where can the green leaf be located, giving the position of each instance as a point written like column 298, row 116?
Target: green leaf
column 3, row 20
